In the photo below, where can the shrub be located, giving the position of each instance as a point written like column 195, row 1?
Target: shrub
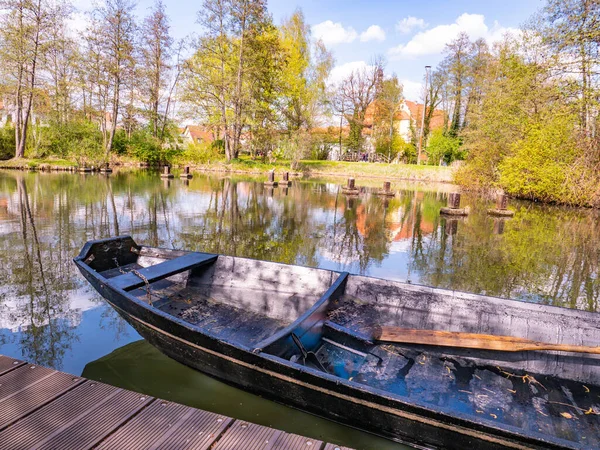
column 7, row 142
column 444, row 147
column 201, row 153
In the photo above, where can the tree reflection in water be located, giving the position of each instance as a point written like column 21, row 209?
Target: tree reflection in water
column 544, row 254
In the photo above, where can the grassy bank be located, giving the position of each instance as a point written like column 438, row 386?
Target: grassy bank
column 305, row 168
column 337, row 169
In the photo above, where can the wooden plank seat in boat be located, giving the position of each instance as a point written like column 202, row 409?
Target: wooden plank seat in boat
column 138, row 278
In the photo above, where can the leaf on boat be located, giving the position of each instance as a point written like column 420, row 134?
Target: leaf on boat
column 587, row 389
column 494, row 416
column 566, row 415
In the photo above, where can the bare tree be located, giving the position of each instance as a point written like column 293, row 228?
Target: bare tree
column 23, row 34
column 357, row 91
column 156, row 52
column 114, row 28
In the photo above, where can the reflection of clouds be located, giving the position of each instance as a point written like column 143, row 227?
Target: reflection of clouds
column 15, row 314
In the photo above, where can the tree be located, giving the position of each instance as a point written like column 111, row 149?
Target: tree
column 305, row 73
column 357, row 91
column 113, row 28
column 387, row 104
column 572, row 29
column 23, row 36
column 221, row 76
column 456, row 65
column 156, row 51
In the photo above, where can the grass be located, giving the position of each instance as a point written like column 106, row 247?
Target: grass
column 338, row 168
column 311, row 168
column 37, row 162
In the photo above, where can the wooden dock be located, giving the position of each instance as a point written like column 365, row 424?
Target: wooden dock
column 44, row 409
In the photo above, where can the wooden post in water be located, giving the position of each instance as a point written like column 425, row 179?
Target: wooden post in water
column 286, row 179
column 271, row 180
column 453, row 208
column 387, row 190
column 454, row 200
column 166, row 172
column 350, row 188
column 501, row 209
column 501, row 201
column 186, row 173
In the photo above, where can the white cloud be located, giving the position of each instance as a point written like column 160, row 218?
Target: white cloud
column 333, row 33
column 409, row 23
column 373, row 33
column 338, row 73
column 434, row 40
column 412, row 90
column 77, row 23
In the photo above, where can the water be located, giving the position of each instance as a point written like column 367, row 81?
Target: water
column 50, row 316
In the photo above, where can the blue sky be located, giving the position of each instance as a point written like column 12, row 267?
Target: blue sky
column 409, row 35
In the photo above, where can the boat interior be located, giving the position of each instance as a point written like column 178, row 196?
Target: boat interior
column 326, row 321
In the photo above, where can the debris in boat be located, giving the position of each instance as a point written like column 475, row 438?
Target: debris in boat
column 587, row 389
column 566, row 415
column 494, row 416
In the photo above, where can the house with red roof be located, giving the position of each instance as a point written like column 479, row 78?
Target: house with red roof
column 194, row 134
column 407, row 119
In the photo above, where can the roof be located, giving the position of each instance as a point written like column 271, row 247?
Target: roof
column 198, row 133
column 416, row 111
column 371, row 109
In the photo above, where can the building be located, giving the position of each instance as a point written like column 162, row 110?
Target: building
column 407, row 119
column 194, row 134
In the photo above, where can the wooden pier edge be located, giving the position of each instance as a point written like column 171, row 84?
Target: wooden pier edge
column 45, row 408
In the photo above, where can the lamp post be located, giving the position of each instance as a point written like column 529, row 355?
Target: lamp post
column 427, row 69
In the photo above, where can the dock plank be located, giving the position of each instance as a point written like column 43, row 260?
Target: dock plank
column 7, row 364
column 166, row 425
column 336, row 447
column 248, row 436
column 43, row 409
column 24, row 390
column 287, row 441
column 80, row 418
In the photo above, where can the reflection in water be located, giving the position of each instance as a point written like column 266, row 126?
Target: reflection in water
column 142, row 368
column 544, row 254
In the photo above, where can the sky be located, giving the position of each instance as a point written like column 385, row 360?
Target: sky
column 409, row 35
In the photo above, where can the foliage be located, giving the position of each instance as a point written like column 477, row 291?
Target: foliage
column 202, row 153
column 7, row 142
column 544, row 165
column 443, row 147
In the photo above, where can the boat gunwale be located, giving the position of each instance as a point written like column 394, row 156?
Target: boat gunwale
column 413, row 287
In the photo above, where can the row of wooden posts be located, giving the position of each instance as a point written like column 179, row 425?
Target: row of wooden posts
column 452, row 209
column 284, row 182
column 166, row 173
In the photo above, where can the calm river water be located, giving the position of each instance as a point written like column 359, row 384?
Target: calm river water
column 50, row 316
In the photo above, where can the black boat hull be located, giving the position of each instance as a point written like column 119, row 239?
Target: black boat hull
column 326, row 395
column 309, row 393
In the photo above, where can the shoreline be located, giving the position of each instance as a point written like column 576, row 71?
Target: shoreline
column 308, row 169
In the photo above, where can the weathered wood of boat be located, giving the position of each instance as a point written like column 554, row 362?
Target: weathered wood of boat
column 256, row 324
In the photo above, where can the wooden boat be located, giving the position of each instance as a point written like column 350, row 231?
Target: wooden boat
column 302, row 336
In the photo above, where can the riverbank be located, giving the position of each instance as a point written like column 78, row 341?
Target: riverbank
column 305, row 168
column 308, row 168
